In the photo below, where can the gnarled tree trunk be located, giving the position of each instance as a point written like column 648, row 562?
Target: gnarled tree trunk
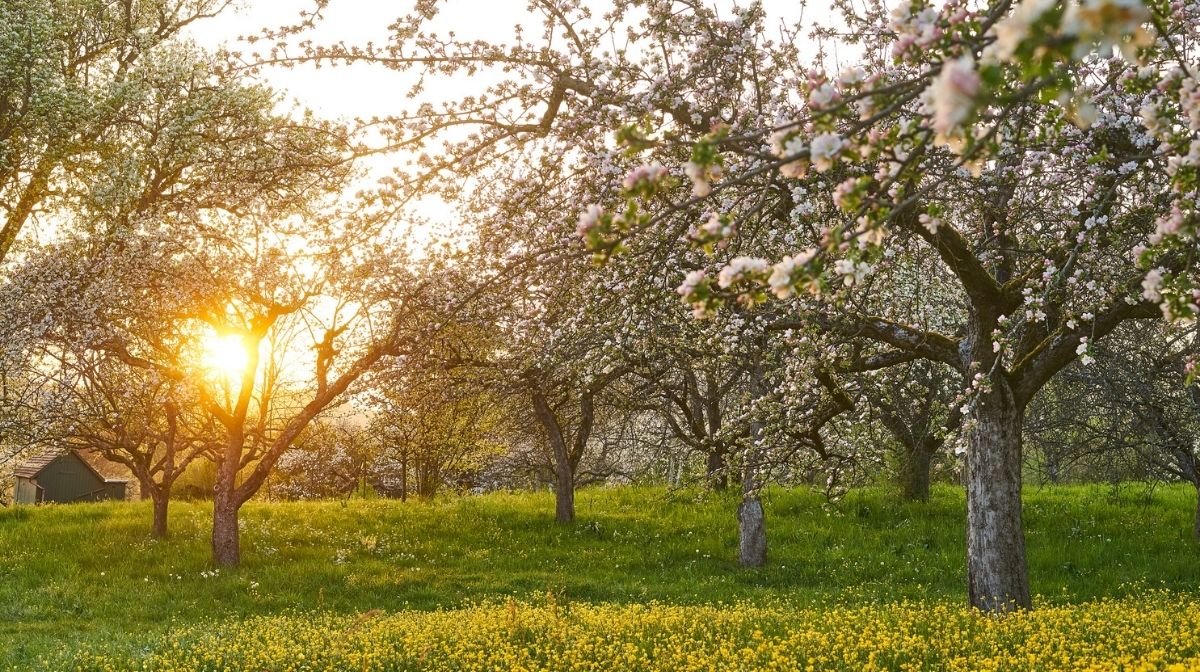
column 998, row 578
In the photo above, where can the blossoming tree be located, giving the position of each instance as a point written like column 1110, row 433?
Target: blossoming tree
column 69, row 79
column 1041, row 154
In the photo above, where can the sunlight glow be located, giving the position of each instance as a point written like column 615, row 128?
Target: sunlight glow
column 224, row 355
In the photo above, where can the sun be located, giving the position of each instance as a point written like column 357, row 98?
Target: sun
column 224, row 355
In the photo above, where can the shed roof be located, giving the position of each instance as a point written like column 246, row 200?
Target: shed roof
column 32, row 467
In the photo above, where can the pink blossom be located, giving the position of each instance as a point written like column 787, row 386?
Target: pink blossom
column 781, row 280
column 644, row 174
column 690, row 282
column 1014, row 28
column 953, row 96
column 822, row 97
column 588, row 219
column 1107, row 24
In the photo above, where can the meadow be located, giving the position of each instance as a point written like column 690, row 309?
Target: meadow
column 646, row 579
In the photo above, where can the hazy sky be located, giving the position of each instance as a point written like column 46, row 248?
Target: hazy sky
column 363, row 91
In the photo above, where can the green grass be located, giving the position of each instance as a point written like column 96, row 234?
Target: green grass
column 89, row 574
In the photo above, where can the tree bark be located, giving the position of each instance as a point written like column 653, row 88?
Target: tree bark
column 752, row 532
column 716, row 471
column 564, row 468
column 225, row 539
column 404, row 476
column 564, row 492
column 752, row 525
column 1053, row 471
column 161, row 502
column 226, row 546
column 998, row 578
column 162, row 494
column 914, row 475
column 1196, row 524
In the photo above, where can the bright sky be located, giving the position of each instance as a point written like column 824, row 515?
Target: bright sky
column 364, row 91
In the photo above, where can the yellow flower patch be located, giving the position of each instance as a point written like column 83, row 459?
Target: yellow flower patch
column 1155, row 632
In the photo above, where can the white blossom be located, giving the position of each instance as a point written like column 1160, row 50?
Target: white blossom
column 824, row 150
column 1151, row 284
column 852, row 272
column 1014, row 28
column 738, row 268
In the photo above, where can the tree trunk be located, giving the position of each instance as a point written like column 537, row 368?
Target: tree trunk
column 564, row 492
column 428, row 479
column 998, row 578
column 162, row 499
column 225, row 543
column 752, row 532
column 716, row 472
column 752, row 524
column 1052, row 467
column 564, row 467
column 404, row 476
column 914, row 475
column 1196, row 524
column 226, row 547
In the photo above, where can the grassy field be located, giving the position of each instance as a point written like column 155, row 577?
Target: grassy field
column 86, row 585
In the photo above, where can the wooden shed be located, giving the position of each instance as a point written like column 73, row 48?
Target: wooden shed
column 63, row 476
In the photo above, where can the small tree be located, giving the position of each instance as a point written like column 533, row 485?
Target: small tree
column 136, row 418
column 441, row 428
